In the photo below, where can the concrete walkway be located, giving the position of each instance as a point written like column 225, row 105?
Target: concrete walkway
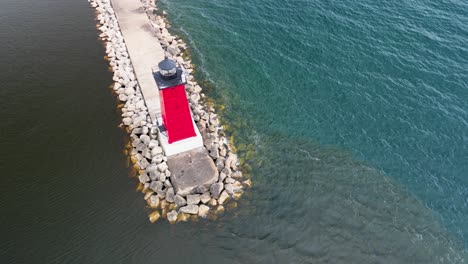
column 190, row 169
column 143, row 47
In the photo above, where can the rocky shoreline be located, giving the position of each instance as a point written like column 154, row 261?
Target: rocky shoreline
column 145, row 152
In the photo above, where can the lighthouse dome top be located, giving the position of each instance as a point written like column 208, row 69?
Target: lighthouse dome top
column 167, row 67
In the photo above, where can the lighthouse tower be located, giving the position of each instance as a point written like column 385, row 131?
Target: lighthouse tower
column 177, row 129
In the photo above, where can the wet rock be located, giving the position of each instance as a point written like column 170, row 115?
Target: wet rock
column 203, row 211
column 223, row 197
column 172, row 216
column 236, row 174
column 153, row 201
column 189, row 209
column 247, row 183
column 213, row 202
column 154, row 216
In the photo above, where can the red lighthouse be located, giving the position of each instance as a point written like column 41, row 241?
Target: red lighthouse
column 176, row 116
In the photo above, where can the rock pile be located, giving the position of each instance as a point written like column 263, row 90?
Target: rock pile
column 145, row 153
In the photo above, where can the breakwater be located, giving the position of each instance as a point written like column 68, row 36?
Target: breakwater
column 145, row 152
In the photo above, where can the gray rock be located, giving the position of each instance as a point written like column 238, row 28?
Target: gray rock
column 193, row 199
column 157, row 159
column 179, row 200
column 201, row 189
column 214, row 152
column 123, row 97
column 153, row 143
column 173, row 50
column 172, row 216
column 145, row 139
column 136, row 142
column 229, row 180
column 162, row 193
column 220, row 163
column 154, row 175
column 229, row 188
column 236, row 174
column 226, row 171
column 127, row 121
column 170, row 196
column 152, row 168
column 153, row 201
column 162, row 167
column 156, row 186
column 223, row 151
column 223, row 197
column 205, row 197
column 216, row 189
column 156, row 150
column 143, row 178
column 137, row 130
column 167, row 183
column 203, row 211
column 162, row 177
column 189, row 209
column 146, row 153
column 143, row 163
column 222, row 176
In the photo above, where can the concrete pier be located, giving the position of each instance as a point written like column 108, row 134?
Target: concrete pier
column 143, row 47
column 145, row 53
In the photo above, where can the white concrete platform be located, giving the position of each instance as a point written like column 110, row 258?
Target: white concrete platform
column 191, row 170
column 182, row 145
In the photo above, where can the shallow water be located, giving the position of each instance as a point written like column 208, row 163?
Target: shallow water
column 357, row 151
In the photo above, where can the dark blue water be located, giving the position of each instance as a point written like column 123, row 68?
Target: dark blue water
column 350, row 117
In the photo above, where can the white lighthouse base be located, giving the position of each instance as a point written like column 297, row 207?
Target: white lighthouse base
column 181, row 145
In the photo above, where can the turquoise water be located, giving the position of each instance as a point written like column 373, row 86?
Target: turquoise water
column 385, row 82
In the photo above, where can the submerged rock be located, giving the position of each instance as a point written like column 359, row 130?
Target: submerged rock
column 203, row 211
column 172, row 216
column 223, row 197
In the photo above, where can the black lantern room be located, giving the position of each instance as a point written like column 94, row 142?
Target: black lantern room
column 169, row 74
